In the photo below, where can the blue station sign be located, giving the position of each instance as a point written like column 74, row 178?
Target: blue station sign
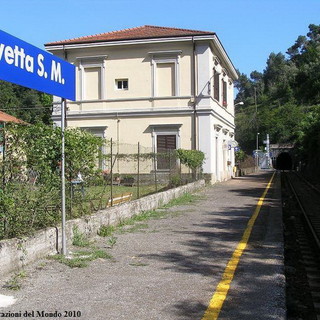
column 26, row 65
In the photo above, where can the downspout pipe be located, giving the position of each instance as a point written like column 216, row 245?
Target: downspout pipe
column 194, row 103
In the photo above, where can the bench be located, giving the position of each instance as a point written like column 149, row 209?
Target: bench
column 119, row 199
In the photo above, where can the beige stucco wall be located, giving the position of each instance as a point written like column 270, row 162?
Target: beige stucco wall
column 134, row 63
column 132, row 130
column 127, row 132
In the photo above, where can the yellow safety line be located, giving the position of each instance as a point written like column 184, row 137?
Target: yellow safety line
column 223, row 287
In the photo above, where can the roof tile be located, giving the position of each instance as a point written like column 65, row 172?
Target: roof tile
column 143, row 32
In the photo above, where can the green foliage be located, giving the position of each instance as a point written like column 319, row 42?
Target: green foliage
column 79, row 239
column 40, row 147
column 277, row 101
column 29, row 105
column 112, row 241
column 83, row 150
column 30, row 175
column 15, row 282
column 80, row 259
column 240, row 156
column 308, row 140
column 191, row 158
column 175, row 180
column 106, row 231
column 185, row 199
column 26, row 209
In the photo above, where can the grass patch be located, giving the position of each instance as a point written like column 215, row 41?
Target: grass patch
column 81, row 259
column 112, row 241
column 41, row 266
column 15, row 282
column 136, row 227
column 186, row 198
column 106, row 231
column 70, row 262
column 79, row 239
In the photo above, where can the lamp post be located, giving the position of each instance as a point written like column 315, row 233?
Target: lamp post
column 241, row 103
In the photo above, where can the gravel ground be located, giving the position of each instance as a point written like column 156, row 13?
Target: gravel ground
column 168, row 268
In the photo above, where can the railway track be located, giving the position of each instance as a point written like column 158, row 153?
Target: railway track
column 302, row 243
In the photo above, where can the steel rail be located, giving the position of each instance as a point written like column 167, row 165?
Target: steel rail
column 308, row 183
column 305, row 215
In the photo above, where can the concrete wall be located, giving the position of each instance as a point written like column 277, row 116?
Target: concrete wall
column 16, row 253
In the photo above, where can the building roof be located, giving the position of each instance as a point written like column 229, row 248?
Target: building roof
column 4, row 117
column 143, row 32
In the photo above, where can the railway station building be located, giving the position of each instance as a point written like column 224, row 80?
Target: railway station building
column 163, row 87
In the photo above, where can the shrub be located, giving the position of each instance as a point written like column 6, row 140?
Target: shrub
column 175, row 181
column 191, row 158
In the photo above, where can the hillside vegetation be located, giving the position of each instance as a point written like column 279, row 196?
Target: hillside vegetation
column 284, row 100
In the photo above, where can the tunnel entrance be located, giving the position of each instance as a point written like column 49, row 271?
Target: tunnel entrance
column 284, row 161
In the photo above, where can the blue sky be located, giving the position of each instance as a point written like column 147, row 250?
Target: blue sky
column 248, row 29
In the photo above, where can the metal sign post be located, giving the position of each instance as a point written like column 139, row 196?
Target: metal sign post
column 26, row 65
column 63, row 181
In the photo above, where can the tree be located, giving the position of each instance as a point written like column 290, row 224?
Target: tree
column 278, row 77
column 305, row 54
column 38, row 147
column 29, row 105
column 278, row 100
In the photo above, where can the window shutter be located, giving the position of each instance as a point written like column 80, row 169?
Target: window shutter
column 165, row 143
column 216, row 90
column 224, row 90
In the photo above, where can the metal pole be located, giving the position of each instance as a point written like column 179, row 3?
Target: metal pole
column 4, row 174
column 155, row 171
column 138, row 182
column 170, row 165
column 3, row 155
column 63, row 185
column 257, row 153
column 111, row 175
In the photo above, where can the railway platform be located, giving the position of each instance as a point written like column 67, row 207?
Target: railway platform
column 217, row 257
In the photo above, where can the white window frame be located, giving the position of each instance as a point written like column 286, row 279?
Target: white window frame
column 92, row 62
column 162, row 57
column 117, row 81
column 98, row 131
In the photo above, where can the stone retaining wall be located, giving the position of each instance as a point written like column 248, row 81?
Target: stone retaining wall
column 16, row 253
column 244, row 171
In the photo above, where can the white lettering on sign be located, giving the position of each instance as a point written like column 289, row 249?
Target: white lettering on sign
column 9, row 55
column 16, row 56
column 56, row 72
column 41, row 72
